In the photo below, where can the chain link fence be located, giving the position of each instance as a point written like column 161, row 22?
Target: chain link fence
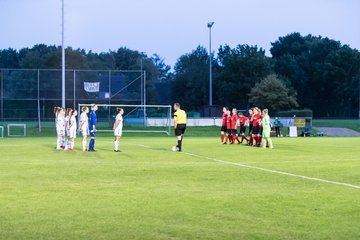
column 30, row 95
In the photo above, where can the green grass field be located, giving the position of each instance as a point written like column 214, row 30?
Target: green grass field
column 149, row 192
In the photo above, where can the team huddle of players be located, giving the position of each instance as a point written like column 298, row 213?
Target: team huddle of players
column 259, row 127
column 66, row 125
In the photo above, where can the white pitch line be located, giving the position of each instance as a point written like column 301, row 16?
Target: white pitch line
column 265, row 169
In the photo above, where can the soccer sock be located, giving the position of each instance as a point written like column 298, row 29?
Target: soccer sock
column 62, row 141
column 116, row 145
column 270, row 143
column 237, row 139
column 222, row 137
column 263, row 143
column 91, row 144
column 179, row 145
column 251, row 140
column 84, row 144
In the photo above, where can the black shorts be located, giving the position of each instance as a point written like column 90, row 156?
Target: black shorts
column 256, row 130
column 250, row 128
column 229, row 131
column 242, row 129
column 261, row 130
column 234, row 131
column 180, row 129
column 223, row 128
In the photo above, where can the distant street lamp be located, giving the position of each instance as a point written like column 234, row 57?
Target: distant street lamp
column 210, row 24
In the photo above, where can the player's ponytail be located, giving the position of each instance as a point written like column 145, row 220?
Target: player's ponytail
column 118, row 110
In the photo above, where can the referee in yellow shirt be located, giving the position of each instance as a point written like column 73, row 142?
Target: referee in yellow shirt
column 179, row 124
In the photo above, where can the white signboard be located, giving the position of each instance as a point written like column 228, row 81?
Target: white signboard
column 92, row 87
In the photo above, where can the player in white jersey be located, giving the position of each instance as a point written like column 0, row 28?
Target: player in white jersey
column 118, row 126
column 60, row 127
column 84, row 126
column 69, row 112
column 72, row 130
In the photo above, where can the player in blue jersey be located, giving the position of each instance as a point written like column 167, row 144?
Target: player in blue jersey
column 92, row 127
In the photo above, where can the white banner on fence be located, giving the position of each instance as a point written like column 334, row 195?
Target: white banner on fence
column 92, row 86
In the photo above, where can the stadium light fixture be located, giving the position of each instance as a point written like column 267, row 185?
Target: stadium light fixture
column 210, row 24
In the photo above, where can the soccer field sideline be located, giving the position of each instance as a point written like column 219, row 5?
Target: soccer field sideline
column 263, row 169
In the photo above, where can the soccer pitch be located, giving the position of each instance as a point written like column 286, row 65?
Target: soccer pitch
column 305, row 188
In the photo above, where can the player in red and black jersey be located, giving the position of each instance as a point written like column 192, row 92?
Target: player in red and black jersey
column 260, row 129
column 243, row 120
column 251, row 114
column 223, row 124
column 228, row 127
column 256, row 126
column 234, row 126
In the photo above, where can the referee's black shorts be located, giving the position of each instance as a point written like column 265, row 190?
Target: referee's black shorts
column 180, row 129
column 223, row 128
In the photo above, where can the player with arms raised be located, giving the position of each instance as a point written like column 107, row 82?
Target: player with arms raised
column 180, row 125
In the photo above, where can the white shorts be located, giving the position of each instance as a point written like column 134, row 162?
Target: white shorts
column 85, row 131
column 72, row 132
column 60, row 131
column 118, row 132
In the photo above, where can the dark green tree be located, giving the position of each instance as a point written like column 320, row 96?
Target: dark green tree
column 9, row 58
column 323, row 71
column 190, row 85
column 239, row 69
column 273, row 93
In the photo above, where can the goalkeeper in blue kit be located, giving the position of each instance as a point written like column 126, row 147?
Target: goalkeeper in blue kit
column 92, row 127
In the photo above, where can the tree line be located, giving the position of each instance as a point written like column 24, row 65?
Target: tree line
column 311, row 72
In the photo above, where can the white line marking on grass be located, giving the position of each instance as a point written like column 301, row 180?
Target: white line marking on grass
column 307, row 161
column 264, row 169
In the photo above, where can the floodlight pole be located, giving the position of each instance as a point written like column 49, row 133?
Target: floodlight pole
column 210, row 24
column 62, row 57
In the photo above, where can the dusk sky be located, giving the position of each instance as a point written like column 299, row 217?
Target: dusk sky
column 171, row 28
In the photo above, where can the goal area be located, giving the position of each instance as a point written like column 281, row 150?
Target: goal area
column 137, row 118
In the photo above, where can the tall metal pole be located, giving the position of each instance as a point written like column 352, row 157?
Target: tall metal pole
column 144, row 85
column 2, row 95
column 359, row 100
column 62, row 57
column 210, row 24
column 74, row 77
column 38, row 99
